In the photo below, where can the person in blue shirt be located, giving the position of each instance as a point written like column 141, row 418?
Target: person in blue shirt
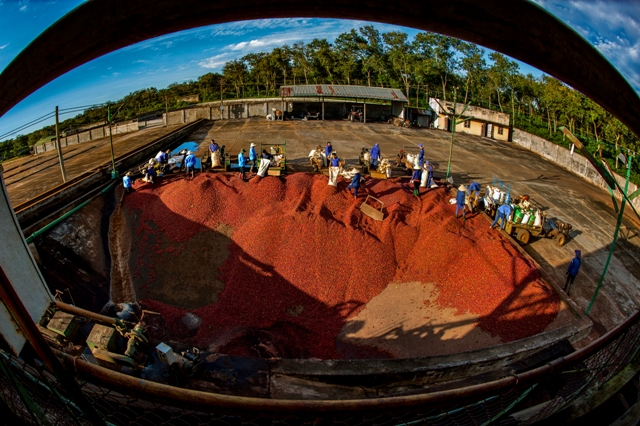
column 151, row 173
column 503, row 212
column 460, row 198
column 375, row 156
column 334, row 169
column 421, row 155
column 126, row 182
column 190, row 164
column 242, row 162
column 572, row 271
column 415, row 180
column 475, row 187
column 214, row 151
column 161, row 157
column 355, row 182
column 253, row 157
column 327, row 154
column 429, row 175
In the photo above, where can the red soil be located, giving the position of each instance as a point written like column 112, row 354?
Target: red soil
column 299, row 265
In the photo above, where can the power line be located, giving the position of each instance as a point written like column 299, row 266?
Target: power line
column 27, row 125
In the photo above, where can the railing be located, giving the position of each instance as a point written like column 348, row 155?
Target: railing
column 36, row 397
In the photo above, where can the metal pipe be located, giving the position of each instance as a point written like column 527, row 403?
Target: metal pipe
column 66, row 215
column 19, row 313
column 74, row 310
column 205, row 401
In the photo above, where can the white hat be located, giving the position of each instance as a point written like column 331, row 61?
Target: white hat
column 151, row 161
column 462, row 188
column 252, row 144
column 354, row 170
column 416, row 167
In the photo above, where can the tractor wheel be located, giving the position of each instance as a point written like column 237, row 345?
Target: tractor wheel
column 523, row 236
column 561, row 240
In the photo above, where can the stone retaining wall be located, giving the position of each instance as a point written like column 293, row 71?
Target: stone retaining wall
column 575, row 162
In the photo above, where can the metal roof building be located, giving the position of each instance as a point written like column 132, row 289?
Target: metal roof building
column 340, row 91
column 322, row 91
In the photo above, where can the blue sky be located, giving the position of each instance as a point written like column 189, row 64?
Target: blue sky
column 613, row 27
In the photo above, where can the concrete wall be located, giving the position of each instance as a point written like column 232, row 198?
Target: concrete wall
column 575, row 162
column 88, row 135
column 481, row 114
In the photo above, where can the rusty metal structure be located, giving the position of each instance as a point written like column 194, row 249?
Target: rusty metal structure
column 50, row 387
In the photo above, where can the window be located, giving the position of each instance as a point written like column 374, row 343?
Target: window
column 500, row 129
column 467, row 124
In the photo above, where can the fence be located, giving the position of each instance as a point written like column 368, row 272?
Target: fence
column 34, row 395
column 563, row 157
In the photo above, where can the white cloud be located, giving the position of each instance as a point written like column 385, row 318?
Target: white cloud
column 612, row 27
column 141, row 61
column 4, row 45
column 215, row 62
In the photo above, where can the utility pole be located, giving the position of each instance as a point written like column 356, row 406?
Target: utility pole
column 166, row 112
column 615, row 236
column 454, row 119
column 114, row 172
column 64, row 173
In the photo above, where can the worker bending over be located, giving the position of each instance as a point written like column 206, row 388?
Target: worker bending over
column 421, row 155
column 151, row 172
column 162, row 157
column 375, row 156
column 355, row 182
column 265, row 162
column 504, row 211
column 415, row 180
column 190, row 164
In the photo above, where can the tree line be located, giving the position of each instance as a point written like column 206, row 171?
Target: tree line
column 430, row 64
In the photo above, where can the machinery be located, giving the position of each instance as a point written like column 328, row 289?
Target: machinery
column 278, row 163
column 106, row 346
column 187, row 363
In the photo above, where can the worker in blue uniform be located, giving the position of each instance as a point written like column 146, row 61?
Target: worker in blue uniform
column 126, row 182
column 503, row 212
column 214, row 152
column 475, row 187
column 421, row 155
column 327, row 154
column 151, row 173
column 415, row 180
column 460, row 198
column 429, row 175
column 190, row 164
column 355, row 182
column 572, row 270
column 253, row 157
column 242, row 162
column 375, row 156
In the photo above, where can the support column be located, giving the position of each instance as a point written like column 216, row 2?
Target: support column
column 323, row 108
column 364, row 112
column 59, row 146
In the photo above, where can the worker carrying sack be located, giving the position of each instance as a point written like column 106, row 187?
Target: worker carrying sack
column 264, row 167
column 333, row 175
